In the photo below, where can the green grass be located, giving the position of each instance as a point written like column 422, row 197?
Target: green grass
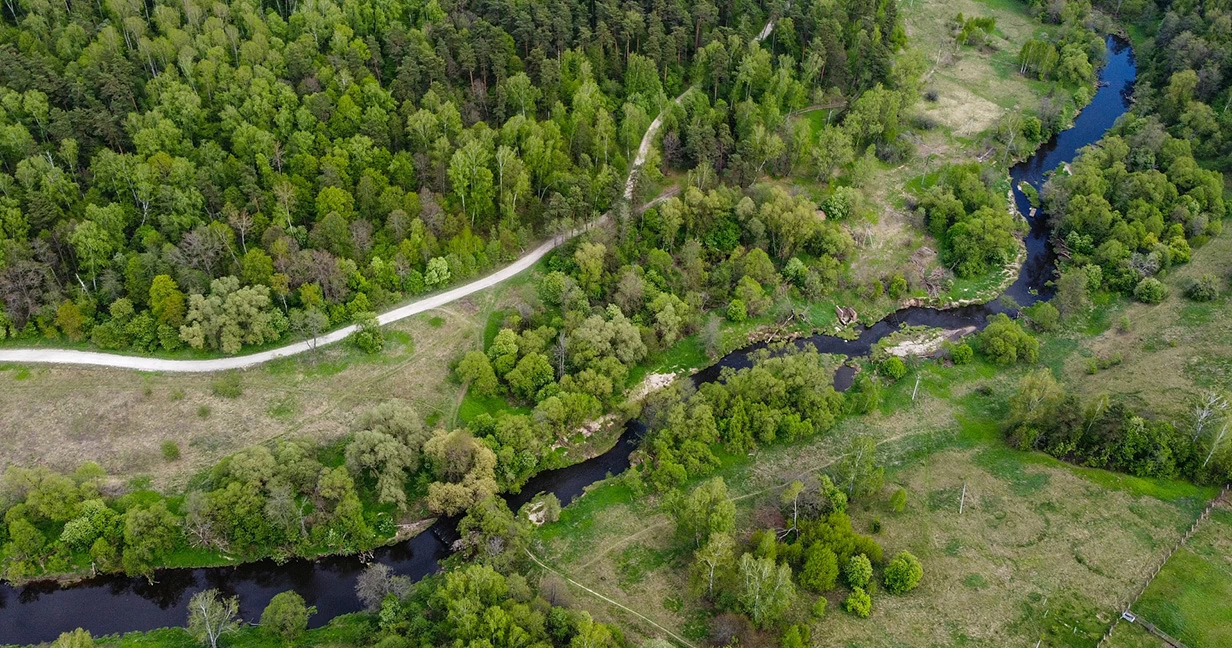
column 284, row 408
column 579, row 516
column 1191, row 599
column 684, row 355
column 493, row 326
column 473, row 405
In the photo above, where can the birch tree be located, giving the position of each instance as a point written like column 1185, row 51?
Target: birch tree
column 210, row 616
column 767, row 590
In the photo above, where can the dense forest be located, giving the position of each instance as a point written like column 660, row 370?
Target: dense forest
column 217, row 175
column 1137, row 202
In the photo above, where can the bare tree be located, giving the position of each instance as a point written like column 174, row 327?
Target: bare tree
column 210, row 616
column 198, row 524
column 284, row 511
column 285, row 191
column 791, row 495
column 309, row 323
column 1208, row 407
column 22, row 285
column 241, row 222
column 376, row 582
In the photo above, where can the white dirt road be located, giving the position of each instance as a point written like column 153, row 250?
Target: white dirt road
column 140, row 363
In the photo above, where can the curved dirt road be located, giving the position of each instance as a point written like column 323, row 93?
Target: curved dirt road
column 67, row 356
column 98, row 359
column 95, row 358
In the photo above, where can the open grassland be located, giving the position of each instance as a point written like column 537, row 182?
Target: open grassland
column 60, row 417
column 1191, row 599
column 1042, row 550
column 975, row 86
column 1170, row 351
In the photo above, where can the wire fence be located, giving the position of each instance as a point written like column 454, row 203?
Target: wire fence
column 1126, row 610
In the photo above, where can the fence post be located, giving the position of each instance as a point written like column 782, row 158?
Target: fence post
column 1160, row 566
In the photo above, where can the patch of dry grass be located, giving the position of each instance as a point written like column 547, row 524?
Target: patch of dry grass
column 1037, row 552
column 1172, row 350
column 975, row 86
column 61, row 417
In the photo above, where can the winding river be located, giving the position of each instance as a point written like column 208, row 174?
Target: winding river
column 115, row 604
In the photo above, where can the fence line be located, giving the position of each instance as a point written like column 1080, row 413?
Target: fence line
column 1126, row 612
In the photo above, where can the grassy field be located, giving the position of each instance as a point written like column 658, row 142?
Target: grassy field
column 62, row 416
column 1171, row 350
column 1042, row 550
column 975, row 86
column 1191, row 599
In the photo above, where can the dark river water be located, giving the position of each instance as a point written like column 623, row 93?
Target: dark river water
column 114, row 604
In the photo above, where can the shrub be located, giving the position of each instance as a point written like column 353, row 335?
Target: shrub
column 736, row 311
column 864, row 395
column 859, row 571
column 898, row 501
column 1150, row 291
column 1203, row 289
column 820, row 569
column 898, row 286
column 227, row 386
column 476, row 370
column 1004, row 342
column 893, row 368
column 796, row 636
column 171, row 450
column 962, row 353
column 1044, row 316
column 795, row 271
column 286, row 616
column 903, row 573
column 368, row 337
column 819, row 608
column 859, row 603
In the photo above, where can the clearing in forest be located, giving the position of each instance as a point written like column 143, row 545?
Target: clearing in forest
column 1159, row 355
